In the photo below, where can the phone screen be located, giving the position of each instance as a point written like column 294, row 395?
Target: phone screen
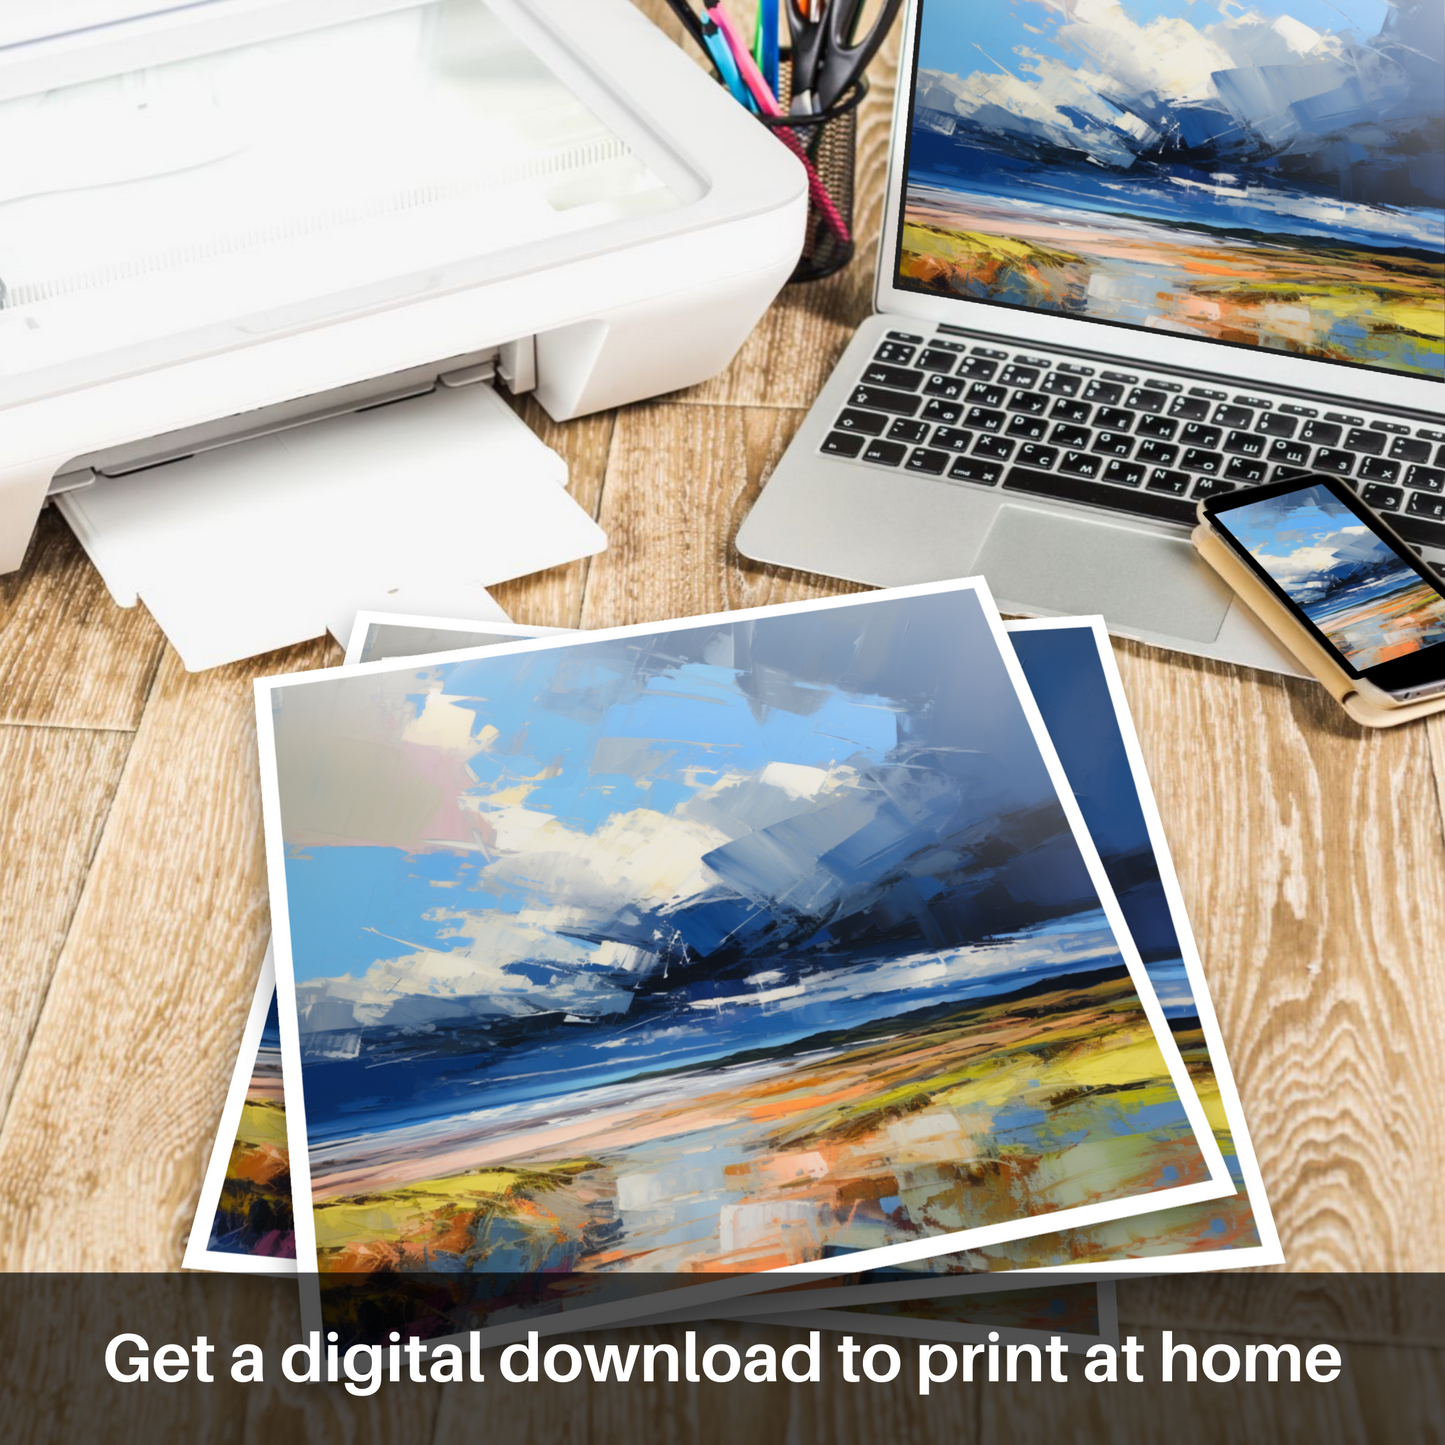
column 1357, row 587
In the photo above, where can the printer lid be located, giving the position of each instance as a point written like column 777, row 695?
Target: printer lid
column 183, row 178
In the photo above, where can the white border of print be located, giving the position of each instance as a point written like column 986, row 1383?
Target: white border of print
column 199, row 1254
column 1216, row 1185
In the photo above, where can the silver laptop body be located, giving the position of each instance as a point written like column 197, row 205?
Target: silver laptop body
column 1060, row 449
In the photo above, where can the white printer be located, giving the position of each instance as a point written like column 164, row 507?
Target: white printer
column 223, row 220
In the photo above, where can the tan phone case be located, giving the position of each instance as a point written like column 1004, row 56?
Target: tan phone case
column 1298, row 639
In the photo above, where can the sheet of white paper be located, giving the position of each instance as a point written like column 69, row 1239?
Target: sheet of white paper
column 416, row 506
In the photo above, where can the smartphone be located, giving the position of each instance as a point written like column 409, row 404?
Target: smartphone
column 1337, row 567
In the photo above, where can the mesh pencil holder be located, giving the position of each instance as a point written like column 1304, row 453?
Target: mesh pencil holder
column 826, row 143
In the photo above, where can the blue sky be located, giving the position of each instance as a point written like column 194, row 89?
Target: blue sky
column 955, row 30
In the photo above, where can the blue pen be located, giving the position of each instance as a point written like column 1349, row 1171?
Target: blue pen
column 727, row 67
column 768, row 29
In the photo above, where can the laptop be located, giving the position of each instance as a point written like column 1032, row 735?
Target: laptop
column 1134, row 254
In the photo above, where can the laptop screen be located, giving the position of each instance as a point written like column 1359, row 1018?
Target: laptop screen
column 1270, row 177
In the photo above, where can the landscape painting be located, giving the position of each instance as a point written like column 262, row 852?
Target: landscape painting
column 1271, row 176
column 253, row 1214
column 1371, row 604
column 713, row 948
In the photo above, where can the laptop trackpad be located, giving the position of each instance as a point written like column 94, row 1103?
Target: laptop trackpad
column 1153, row 584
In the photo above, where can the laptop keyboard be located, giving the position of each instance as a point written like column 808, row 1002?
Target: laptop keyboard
column 1139, row 443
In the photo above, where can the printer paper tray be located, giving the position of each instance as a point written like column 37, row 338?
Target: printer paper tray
column 417, row 506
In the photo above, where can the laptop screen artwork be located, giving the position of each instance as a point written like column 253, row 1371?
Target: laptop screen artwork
column 1269, row 177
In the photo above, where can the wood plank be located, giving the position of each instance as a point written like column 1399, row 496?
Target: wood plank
column 69, row 657
column 56, row 786
column 1311, row 859
column 679, row 483
column 115, row 1110
column 554, row 598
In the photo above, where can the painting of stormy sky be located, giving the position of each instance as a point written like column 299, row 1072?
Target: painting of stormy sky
column 723, row 945
column 1271, row 175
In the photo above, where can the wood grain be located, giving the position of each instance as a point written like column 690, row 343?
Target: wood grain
column 1311, row 859
column 56, row 786
column 69, row 657
column 116, row 1106
column 679, row 483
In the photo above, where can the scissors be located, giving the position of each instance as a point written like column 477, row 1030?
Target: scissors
column 828, row 56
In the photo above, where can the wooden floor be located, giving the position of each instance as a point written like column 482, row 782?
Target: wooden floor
column 133, row 905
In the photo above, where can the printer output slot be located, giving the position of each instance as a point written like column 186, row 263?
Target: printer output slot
column 514, row 362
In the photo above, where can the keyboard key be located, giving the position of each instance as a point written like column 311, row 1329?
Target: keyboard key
column 843, row 444
column 948, row 387
column 1332, row 459
column 895, row 353
column 905, row 336
column 1418, row 530
column 935, row 360
column 1421, row 505
column 925, row 460
column 981, row 394
column 905, row 430
column 1212, row 486
column 1208, row 394
column 1161, row 479
column 954, row 438
column 1245, row 444
column 1189, row 408
column 1156, row 454
column 1112, row 444
column 1406, row 449
column 1371, row 443
column 1440, row 457
column 1114, row 418
column 1427, row 479
column 1291, row 454
column 1272, row 424
column 1293, row 410
column 1199, row 460
column 988, row 351
column 1289, row 474
column 1144, row 399
column 1075, row 411
column 1060, row 383
column 1081, row 464
column 878, row 398
column 877, row 374
column 1107, row 392
column 1382, row 499
column 1157, row 426
column 1321, row 433
column 1015, row 375
column 983, row 419
column 977, row 368
column 1076, row 370
column 1377, row 469
column 1244, row 469
column 867, row 422
column 1254, row 401
column 1125, row 474
column 1032, row 428
column 960, row 347
column 1099, row 494
column 1128, row 378
column 1195, row 435
column 1429, row 434
column 1344, row 418
column 936, row 409
column 1035, row 403
column 1235, row 416
column 1042, row 457
column 886, row 454
column 971, row 469
column 995, row 447
column 1070, row 435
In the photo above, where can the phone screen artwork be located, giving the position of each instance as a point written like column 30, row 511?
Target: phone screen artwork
column 1369, row 603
